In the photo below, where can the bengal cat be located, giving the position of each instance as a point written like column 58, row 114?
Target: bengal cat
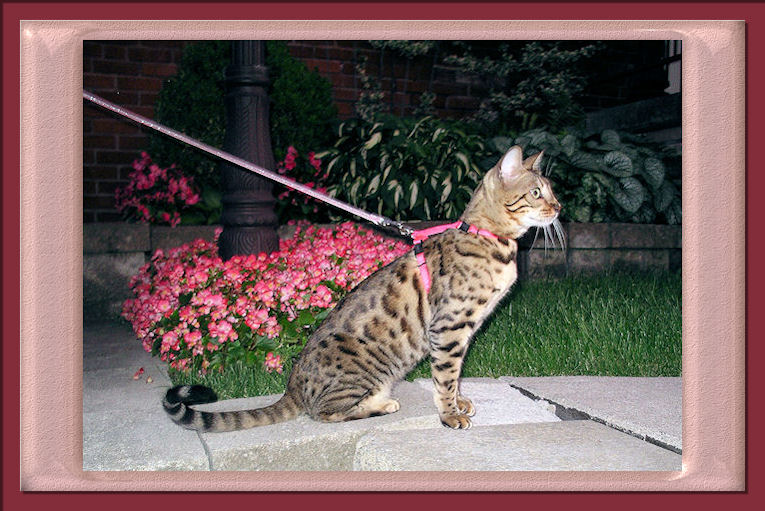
column 389, row 322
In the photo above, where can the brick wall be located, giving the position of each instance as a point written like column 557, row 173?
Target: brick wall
column 129, row 74
column 402, row 80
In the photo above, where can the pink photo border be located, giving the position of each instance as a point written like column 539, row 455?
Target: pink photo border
column 51, row 245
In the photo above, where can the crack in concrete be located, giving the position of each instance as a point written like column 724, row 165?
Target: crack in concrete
column 567, row 413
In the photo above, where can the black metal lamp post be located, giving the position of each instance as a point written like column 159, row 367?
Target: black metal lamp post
column 249, row 221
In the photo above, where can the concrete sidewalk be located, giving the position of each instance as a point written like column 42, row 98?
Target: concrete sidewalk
column 558, row 423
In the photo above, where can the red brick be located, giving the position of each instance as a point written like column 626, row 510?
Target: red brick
column 118, row 157
column 345, row 94
column 139, row 84
column 300, row 51
column 92, row 49
column 345, row 110
column 97, row 172
column 109, row 216
column 341, row 80
column 342, row 54
column 148, row 99
column 323, row 66
column 150, row 54
column 98, row 202
column 108, row 125
column 108, row 187
column 136, row 143
column 415, row 86
column 462, row 103
column 449, row 89
column 116, row 67
column 99, row 141
column 121, row 98
column 162, row 70
column 115, row 52
column 95, row 82
column 400, row 99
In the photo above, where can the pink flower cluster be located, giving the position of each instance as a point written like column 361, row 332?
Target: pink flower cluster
column 308, row 173
column 197, row 312
column 155, row 195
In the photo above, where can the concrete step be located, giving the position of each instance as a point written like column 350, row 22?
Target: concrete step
column 125, row 427
column 564, row 445
column 648, row 408
column 304, row 444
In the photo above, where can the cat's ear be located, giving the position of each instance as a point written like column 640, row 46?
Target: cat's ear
column 534, row 162
column 511, row 164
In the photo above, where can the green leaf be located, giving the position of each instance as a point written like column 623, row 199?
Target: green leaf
column 376, row 138
column 610, row 138
column 674, row 212
column 629, row 194
column 618, row 164
column 664, row 196
column 414, row 189
column 374, row 184
column 305, row 317
column 569, row 144
column 501, row 144
column 211, row 197
column 582, row 213
column 585, row 160
column 446, row 189
column 654, row 171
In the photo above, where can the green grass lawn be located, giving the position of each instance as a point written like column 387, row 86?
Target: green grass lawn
column 607, row 325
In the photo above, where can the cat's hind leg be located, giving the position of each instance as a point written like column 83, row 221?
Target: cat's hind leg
column 352, row 408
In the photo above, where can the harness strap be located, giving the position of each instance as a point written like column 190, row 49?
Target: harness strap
column 419, row 236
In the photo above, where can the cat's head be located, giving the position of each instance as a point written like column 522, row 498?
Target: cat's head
column 514, row 196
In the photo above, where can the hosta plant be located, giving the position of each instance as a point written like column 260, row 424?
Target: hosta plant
column 405, row 169
column 607, row 176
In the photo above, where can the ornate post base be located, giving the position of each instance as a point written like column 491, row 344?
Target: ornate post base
column 249, row 221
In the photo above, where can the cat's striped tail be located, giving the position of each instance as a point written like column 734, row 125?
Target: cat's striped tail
column 178, row 401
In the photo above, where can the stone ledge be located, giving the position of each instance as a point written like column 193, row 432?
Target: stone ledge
column 115, row 237
column 124, row 237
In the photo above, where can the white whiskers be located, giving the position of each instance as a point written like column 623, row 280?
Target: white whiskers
column 551, row 232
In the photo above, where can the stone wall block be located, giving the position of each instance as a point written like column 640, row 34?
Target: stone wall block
column 115, row 237
column 588, row 235
column 105, row 280
column 166, row 237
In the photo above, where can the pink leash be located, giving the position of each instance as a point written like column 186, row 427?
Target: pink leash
column 420, row 236
column 417, row 236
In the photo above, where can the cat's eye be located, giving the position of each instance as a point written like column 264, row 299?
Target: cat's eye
column 535, row 193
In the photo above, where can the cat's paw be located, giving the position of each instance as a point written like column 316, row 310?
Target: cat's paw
column 465, row 406
column 458, row 421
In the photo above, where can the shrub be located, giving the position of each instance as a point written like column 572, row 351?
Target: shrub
column 199, row 313
column 530, row 85
column 301, row 112
column 192, row 103
column 405, row 169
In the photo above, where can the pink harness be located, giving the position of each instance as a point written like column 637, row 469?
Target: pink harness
column 420, row 236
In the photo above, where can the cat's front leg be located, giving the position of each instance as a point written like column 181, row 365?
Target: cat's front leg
column 465, row 405
column 446, row 354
